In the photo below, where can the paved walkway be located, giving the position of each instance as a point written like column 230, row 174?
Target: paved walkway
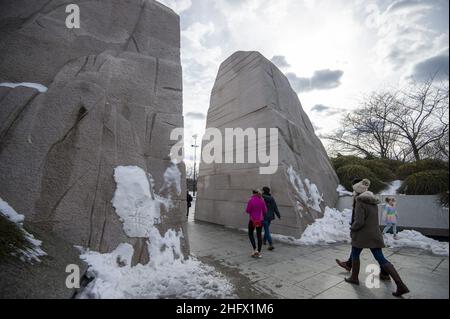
column 298, row 272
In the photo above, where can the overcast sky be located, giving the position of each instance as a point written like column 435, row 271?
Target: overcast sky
column 333, row 51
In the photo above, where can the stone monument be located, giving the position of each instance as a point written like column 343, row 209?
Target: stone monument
column 77, row 103
column 251, row 92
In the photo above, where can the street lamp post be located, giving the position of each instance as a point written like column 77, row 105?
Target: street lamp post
column 195, row 163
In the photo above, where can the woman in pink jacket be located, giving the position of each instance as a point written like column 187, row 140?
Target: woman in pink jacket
column 256, row 208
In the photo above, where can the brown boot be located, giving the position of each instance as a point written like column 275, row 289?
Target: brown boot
column 353, row 279
column 401, row 287
column 344, row 264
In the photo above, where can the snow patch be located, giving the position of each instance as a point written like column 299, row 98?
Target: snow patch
column 343, row 192
column 35, row 251
column 306, row 193
column 333, row 228
column 168, row 274
column 136, row 206
column 392, row 189
column 178, row 278
column 414, row 239
column 41, row 88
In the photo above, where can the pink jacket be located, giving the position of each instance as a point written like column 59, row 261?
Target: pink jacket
column 256, row 207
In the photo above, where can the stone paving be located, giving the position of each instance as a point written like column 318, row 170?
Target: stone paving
column 299, row 272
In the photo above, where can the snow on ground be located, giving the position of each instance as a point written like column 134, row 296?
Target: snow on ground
column 414, row 239
column 307, row 193
column 334, row 227
column 35, row 251
column 36, row 86
column 173, row 278
column 168, row 274
column 343, row 192
column 392, row 189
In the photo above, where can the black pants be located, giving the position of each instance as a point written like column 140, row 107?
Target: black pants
column 251, row 230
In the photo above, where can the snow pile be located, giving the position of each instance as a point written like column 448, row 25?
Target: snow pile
column 392, row 189
column 342, row 191
column 32, row 253
column 168, row 274
column 177, row 278
column 136, row 206
column 333, row 228
column 306, row 193
column 414, row 239
column 36, row 86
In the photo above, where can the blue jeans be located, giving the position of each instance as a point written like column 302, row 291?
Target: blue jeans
column 376, row 252
column 267, row 236
column 389, row 226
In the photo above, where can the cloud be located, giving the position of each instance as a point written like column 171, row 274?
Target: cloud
column 436, row 66
column 324, row 110
column 407, row 32
column 280, row 61
column 321, row 80
column 319, row 108
column 195, row 115
column 407, row 5
column 177, row 5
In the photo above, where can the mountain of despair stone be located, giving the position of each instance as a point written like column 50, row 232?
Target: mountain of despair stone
column 251, row 92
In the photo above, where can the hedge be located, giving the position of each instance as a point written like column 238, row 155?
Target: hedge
column 429, row 182
column 419, row 166
column 348, row 173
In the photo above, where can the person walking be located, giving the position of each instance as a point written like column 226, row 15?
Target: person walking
column 347, row 265
column 365, row 233
column 272, row 210
column 390, row 216
column 189, row 200
column 257, row 209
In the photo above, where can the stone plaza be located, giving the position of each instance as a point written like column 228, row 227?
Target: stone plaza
column 310, row 272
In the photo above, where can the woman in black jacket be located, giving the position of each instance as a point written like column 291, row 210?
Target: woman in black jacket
column 272, row 210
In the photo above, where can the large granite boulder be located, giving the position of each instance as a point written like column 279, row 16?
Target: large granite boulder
column 250, row 92
column 114, row 95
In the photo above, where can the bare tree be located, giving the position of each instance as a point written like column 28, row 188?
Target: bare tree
column 420, row 115
column 364, row 133
column 403, row 124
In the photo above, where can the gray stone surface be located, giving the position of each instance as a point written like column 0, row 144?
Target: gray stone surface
column 251, row 92
column 114, row 94
column 310, row 272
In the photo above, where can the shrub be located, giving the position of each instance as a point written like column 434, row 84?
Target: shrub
column 419, row 166
column 341, row 160
column 348, row 173
column 425, row 183
column 393, row 165
column 380, row 169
